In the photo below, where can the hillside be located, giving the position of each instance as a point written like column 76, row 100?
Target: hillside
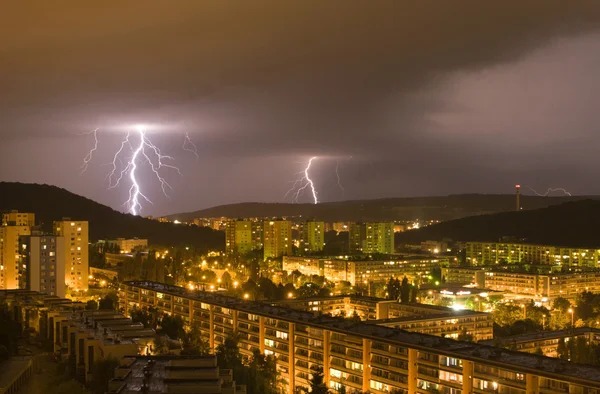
column 51, row 203
column 425, row 208
column 573, row 224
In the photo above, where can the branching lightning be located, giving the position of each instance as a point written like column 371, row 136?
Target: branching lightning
column 123, row 165
column 337, row 174
column 551, row 190
column 303, row 183
column 88, row 157
column 189, row 145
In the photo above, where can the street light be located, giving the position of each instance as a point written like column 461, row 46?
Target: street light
column 572, row 312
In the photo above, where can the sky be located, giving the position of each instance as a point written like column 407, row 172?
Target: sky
column 402, row 98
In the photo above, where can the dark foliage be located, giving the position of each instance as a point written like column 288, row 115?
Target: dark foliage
column 51, row 203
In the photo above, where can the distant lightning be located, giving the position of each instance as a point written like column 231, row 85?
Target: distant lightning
column 303, row 183
column 143, row 152
column 337, row 174
column 88, row 157
column 551, row 190
column 189, row 145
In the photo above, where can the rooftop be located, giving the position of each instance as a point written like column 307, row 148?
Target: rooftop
column 544, row 335
column 479, row 353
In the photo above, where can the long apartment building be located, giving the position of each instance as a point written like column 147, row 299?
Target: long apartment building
column 489, row 253
column 359, row 356
column 422, row 318
column 551, row 285
column 357, row 272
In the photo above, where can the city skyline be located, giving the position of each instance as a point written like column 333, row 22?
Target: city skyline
column 426, row 99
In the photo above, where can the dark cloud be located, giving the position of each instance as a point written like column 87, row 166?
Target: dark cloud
column 422, row 90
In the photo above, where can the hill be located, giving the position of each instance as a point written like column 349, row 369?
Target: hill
column 425, row 208
column 572, row 224
column 51, row 203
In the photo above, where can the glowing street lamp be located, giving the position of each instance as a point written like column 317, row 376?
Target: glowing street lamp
column 572, row 312
column 246, row 296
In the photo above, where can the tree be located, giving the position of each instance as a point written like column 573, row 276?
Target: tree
column 91, row 305
column 561, row 304
column 172, row 326
column 393, row 289
column 228, row 353
column 109, row 302
column 263, row 377
column 559, row 321
column 405, row 291
column 506, row 314
column 317, row 381
column 102, row 372
column 226, row 279
column 193, row 344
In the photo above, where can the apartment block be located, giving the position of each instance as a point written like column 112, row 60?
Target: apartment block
column 371, row 238
column 16, row 218
column 76, row 235
column 238, row 237
column 360, row 356
column 130, row 245
column 489, row 253
column 357, row 272
column 277, row 236
column 172, row 374
column 44, row 259
column 312, row 237
column 12, row 272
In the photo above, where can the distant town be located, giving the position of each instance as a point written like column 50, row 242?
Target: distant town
column 341, row 306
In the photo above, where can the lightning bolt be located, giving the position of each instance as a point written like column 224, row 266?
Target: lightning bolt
column 304, row 182
column 187, row 141
column 144, row 151
column 337, row 174
column 551, row 190
column 88, row 157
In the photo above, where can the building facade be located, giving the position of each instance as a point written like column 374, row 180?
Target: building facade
column 238, row 237
column 490, row 253
column 12, row 272
column 76, row 235
column 359, row 356
column 44, row 257
column 130, row 245
column 277, row 236
column 371, row 238
column 312, row 237
column 16, row 218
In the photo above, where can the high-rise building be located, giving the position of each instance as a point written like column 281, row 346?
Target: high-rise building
column 277, row 238
column 11, row 269
column 312, row 237
column 238, row 237
column 16, row 218
column 44, row 258
column 76, row 251
column 375, row 237
column 257, row 234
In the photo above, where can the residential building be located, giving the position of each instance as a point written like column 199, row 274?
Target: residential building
column 16, row 218
column 76, row 235
column 130, row 245
column 355, row 271
column 360, row 356
column 466, row 275
column 422, row 318
column 11, row 269
column 277, row 238
column 43, row 258
column 173, row 374
column 312, row 237
column 490, row 253
column 371, row 238
column 238, row 237
column 546, row 342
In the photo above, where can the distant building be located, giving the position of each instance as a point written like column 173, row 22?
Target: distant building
column 172, row 374
column 277, row 238
column 130, row 245
column 238, row 237
column 370, row 238
column 76, row 235
column 44, row 259
column 363, row 272
column 490, row 253
column 11, row 269
column 16, row 218
column 312, row 237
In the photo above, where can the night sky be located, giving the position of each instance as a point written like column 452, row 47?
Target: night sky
column 406, row 98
